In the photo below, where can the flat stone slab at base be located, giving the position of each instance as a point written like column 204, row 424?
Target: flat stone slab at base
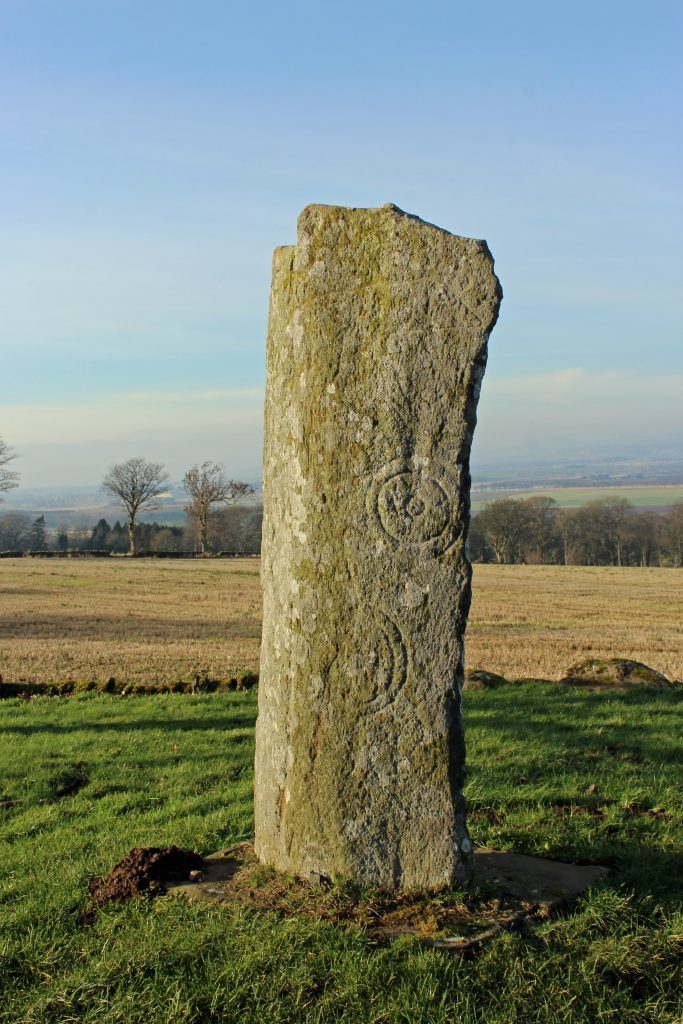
column 510, row 889
column 221, row 869
column 546, row 882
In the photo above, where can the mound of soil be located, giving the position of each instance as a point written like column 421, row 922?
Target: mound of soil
column 613, row 672
column 144, row 872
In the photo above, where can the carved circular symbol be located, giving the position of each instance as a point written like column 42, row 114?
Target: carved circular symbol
column 414, row 505
column 413, row 508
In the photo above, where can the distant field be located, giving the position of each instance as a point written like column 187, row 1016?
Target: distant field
column 536, row 620
column 134, row 620
column 149, row 620
column 573, row 497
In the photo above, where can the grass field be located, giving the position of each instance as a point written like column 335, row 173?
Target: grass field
column 573, row 497
column 178, row 769
column 155, row 620
column 538, row 620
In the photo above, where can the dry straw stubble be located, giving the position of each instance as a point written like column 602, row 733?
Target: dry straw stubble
column 147, row 620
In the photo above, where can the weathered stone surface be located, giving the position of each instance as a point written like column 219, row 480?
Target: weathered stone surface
column 376, row 350
column 615, row 672
column 479, row 679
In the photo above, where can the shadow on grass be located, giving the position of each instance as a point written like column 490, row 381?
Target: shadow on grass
column 584, row 734
column 581, row 720
column 227, row 723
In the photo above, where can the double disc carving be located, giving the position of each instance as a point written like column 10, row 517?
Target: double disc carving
column 414, row 506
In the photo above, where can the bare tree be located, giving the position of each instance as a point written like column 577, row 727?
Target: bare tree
column 642, row 541
column 569, row 525
column 502, row 522
column 8, row 479
column 138, row 484
column 604, row 525
column 14, row 528
column 674, row 532
column 541, row 526
column 206, row 486
column 237, row 528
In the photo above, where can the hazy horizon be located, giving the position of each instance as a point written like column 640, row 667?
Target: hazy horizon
column 651, row 464
column 504, row 434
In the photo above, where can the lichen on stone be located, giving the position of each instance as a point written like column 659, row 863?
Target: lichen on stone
column 377, row 344
column 618, row 672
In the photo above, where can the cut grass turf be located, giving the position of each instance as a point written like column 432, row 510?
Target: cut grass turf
column 84, row 779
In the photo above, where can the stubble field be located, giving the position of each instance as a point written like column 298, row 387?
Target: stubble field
column 162, row 621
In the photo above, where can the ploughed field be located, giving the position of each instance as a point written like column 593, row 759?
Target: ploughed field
column 158, row 621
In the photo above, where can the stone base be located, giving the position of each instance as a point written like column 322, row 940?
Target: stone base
column 510, row 889
column 546, row 882
column 540, row 885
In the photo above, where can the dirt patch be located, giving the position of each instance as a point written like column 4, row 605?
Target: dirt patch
column 144, row 872
column 68, row 782
column 636, row 810
column 244, row 882
column 488, row 814
column 568, row 810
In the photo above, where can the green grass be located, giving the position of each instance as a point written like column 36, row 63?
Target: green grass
column 178, row 769
column 573, row 497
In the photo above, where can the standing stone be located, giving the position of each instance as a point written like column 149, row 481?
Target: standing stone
column 376, row 350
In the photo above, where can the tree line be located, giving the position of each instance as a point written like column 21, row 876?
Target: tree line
column 236, row 530
column 214, row 519
column 608, row 531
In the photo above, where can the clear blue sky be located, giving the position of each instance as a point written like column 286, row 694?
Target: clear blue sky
column 153, row 153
